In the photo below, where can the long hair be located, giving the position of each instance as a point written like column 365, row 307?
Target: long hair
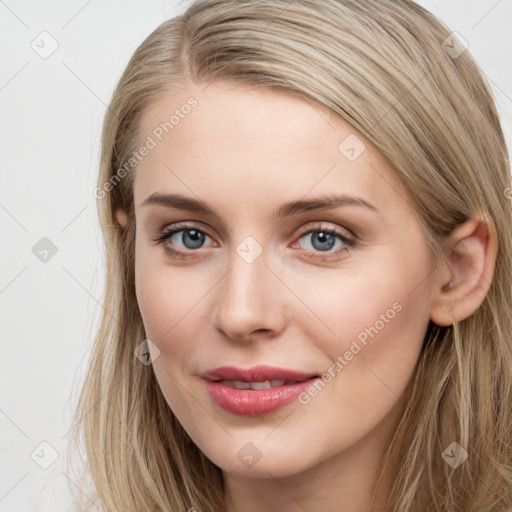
column 395, row 73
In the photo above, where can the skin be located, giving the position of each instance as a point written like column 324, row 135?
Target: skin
column 246, row 152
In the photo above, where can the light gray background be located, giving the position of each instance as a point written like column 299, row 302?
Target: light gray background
column 50, row 125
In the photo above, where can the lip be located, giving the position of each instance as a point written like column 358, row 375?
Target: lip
column 255, row 402
column 255, row 374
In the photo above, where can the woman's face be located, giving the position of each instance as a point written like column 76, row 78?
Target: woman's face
column 340, row 294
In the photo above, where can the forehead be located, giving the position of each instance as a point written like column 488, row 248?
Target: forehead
column 241, row 140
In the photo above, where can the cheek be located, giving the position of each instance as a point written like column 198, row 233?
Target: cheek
column 374, row 312
column 369, row 362
column 379, row 318
column 168, row 298
column 156, row 293
column 370, row 306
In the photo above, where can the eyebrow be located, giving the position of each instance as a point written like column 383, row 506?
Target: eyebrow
column 177, row 201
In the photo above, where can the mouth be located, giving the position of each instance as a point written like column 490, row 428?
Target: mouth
column 266, row 384
column 258, row 375
column 256, row 391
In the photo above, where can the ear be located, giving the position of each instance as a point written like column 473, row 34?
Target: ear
column 465, row 275
column 121, row 217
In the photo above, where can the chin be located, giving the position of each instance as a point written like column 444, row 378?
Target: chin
column 267, row 463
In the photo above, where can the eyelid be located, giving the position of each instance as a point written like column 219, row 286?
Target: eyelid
column 323, row 226
column 349, row 242
column 168, row 231
column 319, row 226
column 348, row 238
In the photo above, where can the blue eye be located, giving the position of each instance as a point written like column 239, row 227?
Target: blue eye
column 190, row 238
column 324, row 240
column 321, row 240
column 323, row 243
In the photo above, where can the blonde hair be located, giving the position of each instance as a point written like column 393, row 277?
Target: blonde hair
column 387, row 69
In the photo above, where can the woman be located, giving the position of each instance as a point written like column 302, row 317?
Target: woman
column 308, row 268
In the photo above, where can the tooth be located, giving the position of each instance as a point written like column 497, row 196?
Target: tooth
column 239, row 384
column 261, row 385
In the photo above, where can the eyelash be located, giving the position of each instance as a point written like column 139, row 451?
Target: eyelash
column 349, row 243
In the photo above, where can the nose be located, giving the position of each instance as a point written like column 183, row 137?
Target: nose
column 249, row 301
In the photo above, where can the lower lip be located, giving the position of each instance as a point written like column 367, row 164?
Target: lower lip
column 255, row 402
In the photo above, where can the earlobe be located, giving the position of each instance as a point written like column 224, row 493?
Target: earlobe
column 121, row 217
column 465, row 275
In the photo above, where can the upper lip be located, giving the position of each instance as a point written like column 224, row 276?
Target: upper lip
column 256, row 374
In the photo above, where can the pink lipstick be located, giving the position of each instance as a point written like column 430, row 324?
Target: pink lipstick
column 255, row 391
